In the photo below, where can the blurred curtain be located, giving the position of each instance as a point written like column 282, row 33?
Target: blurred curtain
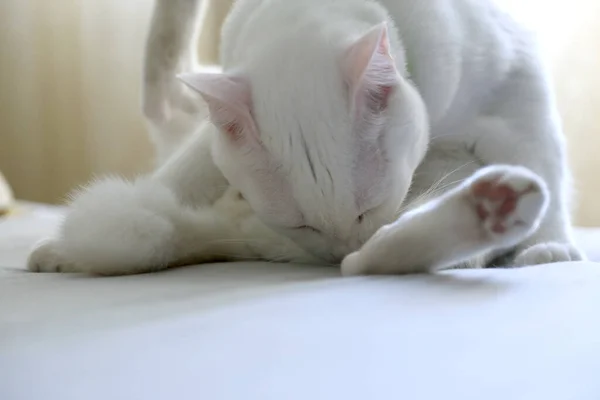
column 70, row 76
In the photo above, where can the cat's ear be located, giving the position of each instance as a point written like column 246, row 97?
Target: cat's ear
column 372, row 77
column 229, row 101
column 370, row 71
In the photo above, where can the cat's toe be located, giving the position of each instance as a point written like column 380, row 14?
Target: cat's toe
column 45, row 257
column 546, row 253
column 352, row 265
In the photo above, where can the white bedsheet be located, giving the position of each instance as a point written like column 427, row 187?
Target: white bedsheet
column 267, row 331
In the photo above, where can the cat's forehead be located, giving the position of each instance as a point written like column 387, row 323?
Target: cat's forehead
column 301, row 112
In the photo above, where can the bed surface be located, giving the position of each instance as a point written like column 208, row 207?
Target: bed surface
column 268, row 331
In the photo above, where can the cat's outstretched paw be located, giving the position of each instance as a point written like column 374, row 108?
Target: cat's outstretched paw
column 45, row 257
column 509, row 201
column 549, row 252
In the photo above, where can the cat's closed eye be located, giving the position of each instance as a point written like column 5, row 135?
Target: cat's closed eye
column 309, row 228
column 315, row 230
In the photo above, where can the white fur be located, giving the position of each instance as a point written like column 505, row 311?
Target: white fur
column 325, row 114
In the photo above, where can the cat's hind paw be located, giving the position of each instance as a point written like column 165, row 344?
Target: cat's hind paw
column 113, row 227
column 45, row 257
column 546, row 253
column 509, row 202
column 498, row 207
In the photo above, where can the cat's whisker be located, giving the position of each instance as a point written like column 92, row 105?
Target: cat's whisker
column 432, row 191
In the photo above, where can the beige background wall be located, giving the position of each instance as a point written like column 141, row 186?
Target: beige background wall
column 70, row 84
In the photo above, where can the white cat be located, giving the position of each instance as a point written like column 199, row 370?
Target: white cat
column 395, row 135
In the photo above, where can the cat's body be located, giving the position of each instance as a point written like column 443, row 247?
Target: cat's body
column 327, row 111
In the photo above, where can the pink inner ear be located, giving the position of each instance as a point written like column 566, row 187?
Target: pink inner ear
column 370, row 71
column 372, row 77
column 229, row 101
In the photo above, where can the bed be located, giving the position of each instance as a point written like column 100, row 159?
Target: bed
column 270, row 331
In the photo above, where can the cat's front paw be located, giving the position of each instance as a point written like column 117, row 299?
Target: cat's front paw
column 46, row 257
column 546, row 253
column 509, row 202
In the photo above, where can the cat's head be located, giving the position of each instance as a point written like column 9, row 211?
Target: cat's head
column 323, row 146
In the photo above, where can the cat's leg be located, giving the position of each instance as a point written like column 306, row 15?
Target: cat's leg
column 191, row 172
column 178, row 116
column 496, row 208
column 116, row 227
column 172, row 110
column 523, row 128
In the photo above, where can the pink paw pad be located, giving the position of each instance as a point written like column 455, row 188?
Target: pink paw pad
column 495, row 202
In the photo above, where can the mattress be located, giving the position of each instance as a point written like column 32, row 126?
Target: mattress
column 277, row 331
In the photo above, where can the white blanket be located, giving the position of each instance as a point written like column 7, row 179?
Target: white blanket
column 266, row 331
